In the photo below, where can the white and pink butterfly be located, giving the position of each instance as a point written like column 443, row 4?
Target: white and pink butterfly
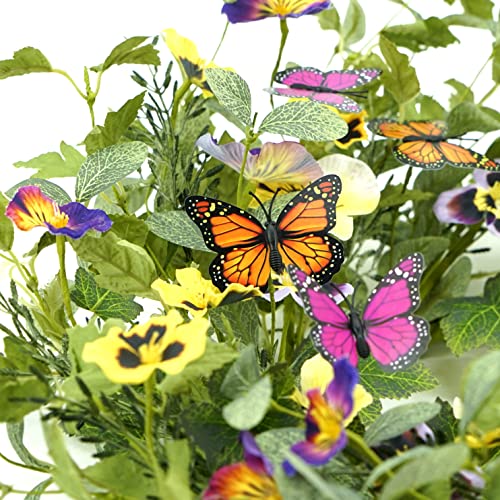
column 386, row 329
column 329, row 88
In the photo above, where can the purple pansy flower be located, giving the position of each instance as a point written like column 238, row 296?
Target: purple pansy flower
column 31, row 208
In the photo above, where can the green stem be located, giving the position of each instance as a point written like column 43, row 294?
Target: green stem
column 489, row 94
column 221, row 40
column 63, row 73
column 481, row 69
column 24, row 466
column 288, row 317
column 240, row 196
column 284, row 36
column 272, row 333
column 156, row 262
column 283, row 409
column 179, row 94
column 63, row 280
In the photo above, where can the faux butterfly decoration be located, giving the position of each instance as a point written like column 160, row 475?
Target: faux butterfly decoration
column 386, row 329
column 329, row 88
column 424, row 144
column 248, row 250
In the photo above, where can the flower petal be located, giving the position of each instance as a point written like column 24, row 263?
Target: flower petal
column 81, row 220
column 339, row 391
column 344, row 226
column 230, row 154
column 356, row 128
column 493, row 224
column 457, row 206
column 254, row 457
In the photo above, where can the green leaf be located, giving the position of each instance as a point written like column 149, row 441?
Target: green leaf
column 242, row 375
column 115, row 125
column 444, row 425
column 440, row 464
column 275, row 442
column 104, row 303
column 468, row 116
column 130, row 228
column 176, row 226
column 179, row 461
column 397, row 420
column 50, row 165
column 121, row 266
column 481, row 383
column 495, row 64
column 401, row 79
column 329, row 19
column 462, row 93
column 353, row 28
column 48, row 189
column 397, row 385
column 248, row 410
column 130, row 52
column 430, row 109
column 108, row 166
column 305, row 120
column 26, row 60
column 492, row 489
column 393, row 196
column 37, row 492
column 15, row 432
column 424, row 33
column 371, row 412
column 66, row 473
column 472, row 322
column 6, row 226
column 478, row 8
column 231, row 91
column 215, row 357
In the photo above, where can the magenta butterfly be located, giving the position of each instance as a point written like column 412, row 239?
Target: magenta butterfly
column 329, row 88
column 387, row 328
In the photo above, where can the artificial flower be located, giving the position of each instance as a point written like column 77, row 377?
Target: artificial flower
column 489, row 439
column 317, row 373
column 243, row 11
column 31, row 208
column 356, row 128
column 191, row 64
column 250, row 479
column 325, row 418
column 196, row 294
column 473, row 204
column 286, row 166
column 360, row 193
column 162, row 343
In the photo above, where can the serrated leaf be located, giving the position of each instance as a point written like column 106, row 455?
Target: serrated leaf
column 401, row 79
column 216, row 356
column 15, row 432
column 305, row 120
column 6, row 226
column 371, row 412
column 248, row 410
column 129, row 52
column 26, row 60
column 121, row 266
column 397, row 385
column 444, row 425
column 108, row 166
column 48, row 188
column 105, row 303
column 231, row 91
column 468, row 116
column 399, row 419
column 440, row 464
column 472, row 322
column 176, row 226
column 353, row 28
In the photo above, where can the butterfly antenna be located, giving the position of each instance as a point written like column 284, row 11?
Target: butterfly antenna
column 347, row 301
column 272, row 201
column 266, row 213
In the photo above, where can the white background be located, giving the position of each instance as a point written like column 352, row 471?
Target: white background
column 38, row 111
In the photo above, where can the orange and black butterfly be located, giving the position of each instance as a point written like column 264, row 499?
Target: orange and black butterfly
column 249, row 250
column 424, row 144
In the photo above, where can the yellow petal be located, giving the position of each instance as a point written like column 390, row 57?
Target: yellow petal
column 361, row 399
column 344, row 227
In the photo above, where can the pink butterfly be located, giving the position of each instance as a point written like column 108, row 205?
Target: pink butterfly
column 329, row 88
column 387, row 328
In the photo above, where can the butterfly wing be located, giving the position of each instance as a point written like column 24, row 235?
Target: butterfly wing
column 305, row 77
column 347, row 79
column 331, row 336
column 303, row 227
column 238, row 238
column 395, row 130
column 458, row 156
column 396, row 337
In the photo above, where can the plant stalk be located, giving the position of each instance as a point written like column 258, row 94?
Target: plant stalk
column 63, row 280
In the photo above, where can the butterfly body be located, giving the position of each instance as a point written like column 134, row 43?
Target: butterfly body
column 426, row 138
column 248, row 250
column 358, row 329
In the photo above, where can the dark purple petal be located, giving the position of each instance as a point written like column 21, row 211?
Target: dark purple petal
column 253, row 455
column 493, row 224
column 457, row 206
column 486, row 179
column 339, row 391
column 80, row 220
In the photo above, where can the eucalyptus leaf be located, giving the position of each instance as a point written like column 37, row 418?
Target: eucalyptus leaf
column 108, row 166
column 26, row 60
column 305, row 120
column 48, row 188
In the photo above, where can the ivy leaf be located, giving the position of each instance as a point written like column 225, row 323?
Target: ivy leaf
column 397, row 385
column 130, row 52
column 472, row 322
column 176, row 226
column 305, row 120
column 48, row 189
column 6, row 226
column 104, row 303
column 108, row 166
column 468, row 116
column 401, row 79
column 121, row 266
column 231, row 91
column 397, row 420
column 26, row 60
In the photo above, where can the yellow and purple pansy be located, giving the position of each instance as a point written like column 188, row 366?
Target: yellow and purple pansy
column 356, row 128
column 196, row 294
column 326, row 416
column 474, row 203
column 31, row 208
column 252, row 478
column 163, row 343
column 243, row 11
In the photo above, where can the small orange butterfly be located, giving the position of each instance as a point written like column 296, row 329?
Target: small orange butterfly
column 424, row 144
column 249, row 250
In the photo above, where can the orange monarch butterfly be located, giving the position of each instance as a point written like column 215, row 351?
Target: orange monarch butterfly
column 424, row 145
column 248, row 250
